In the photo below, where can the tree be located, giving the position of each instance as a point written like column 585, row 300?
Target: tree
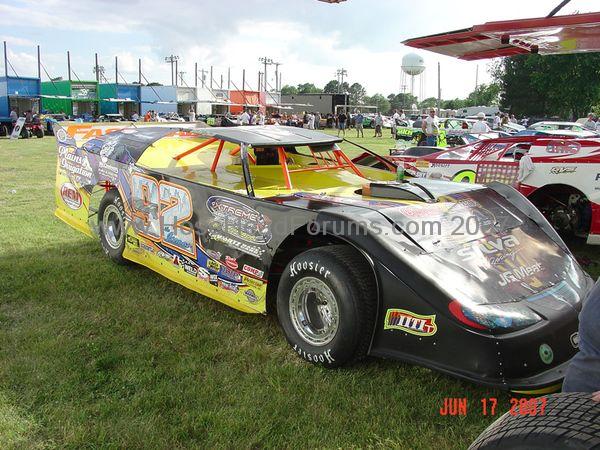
column 308, row 88
column 382, row 103
column 332, row 87
column 402, row 101
column 357, row 93
column 484, row 95
column 553, row 85
column 289, row 90
column 456, row 103
column 430, row 102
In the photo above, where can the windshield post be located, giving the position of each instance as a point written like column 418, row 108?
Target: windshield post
column 246, row 169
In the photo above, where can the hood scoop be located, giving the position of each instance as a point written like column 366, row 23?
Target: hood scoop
column 397, row 190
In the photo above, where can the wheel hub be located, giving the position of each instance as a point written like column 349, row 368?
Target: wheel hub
column 112, row 225
column 314, row 311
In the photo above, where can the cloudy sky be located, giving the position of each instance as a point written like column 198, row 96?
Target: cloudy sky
column 309, row 38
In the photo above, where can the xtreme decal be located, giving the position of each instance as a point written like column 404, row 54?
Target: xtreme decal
column 239, row 220
column 401, row 319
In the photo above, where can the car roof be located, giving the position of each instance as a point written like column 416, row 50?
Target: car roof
column 269, row 135
column 551, row 122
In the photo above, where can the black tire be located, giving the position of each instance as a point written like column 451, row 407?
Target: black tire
column 570, row 420
column 112, row 230
column 39, row 133
column 3, row 130
column 353, row 294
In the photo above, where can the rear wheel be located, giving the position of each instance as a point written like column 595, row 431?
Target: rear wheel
column 326, row 302
column 39, row 133
column 111, row 226
column 568, row 420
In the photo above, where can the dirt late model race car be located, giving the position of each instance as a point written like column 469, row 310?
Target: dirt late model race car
column 279, row 218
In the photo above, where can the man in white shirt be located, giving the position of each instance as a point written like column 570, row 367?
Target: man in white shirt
column 431, row 128
column 526, row 166
column 402, row 115
column 135, row 117
column 13, row 115
column 481, row 126
column 244, row 118
column 497, row 121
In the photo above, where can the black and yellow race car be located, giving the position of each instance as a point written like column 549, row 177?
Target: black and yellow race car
column 465, row 279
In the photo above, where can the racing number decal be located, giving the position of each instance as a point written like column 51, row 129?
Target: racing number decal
column 160, row 211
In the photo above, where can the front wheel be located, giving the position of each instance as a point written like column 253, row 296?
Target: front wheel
column 111, row 226
column 326, row 304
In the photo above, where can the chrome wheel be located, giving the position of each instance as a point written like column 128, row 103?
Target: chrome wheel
column 112, row 226
column 314, row 311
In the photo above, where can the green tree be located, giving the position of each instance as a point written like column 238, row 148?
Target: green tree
column 331, row 87
column 289, row 90
column 430, row 102
column 567, row 86
column 484, row 95
column 402, row 101
column 382, row 103
column 357, row 93
column 308, row 88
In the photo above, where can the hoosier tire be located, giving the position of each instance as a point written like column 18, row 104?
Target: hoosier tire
column 569, row 420
column 326, row 305
column 111, row 226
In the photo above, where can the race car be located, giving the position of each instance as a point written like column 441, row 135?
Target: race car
column 564, row 185
column 465, row 279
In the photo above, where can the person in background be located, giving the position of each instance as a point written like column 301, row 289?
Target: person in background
column 244, row 118
column 311, row 121
column 342, row 118
column 597, row 126
column 318, row 121
column 192, row 114
column 402, row 115
column 261, row 118
column 395, row 123
column 512, row 119
column 583, row 373
column 13, row 115
column 358, row 122
column 590, row 123
column 504, row 119
column 378, row 124
column 497, row 121
column 431, row 128
column 526, row 166
column 28, row 116
column 481, row 125
column 135, row 117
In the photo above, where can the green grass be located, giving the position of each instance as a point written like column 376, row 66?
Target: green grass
column 96, row 355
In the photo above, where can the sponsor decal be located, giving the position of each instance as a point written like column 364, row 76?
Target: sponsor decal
column 71, row 196
column 561, row 170
column 546, row 354
column 420, row 164
column 252, row 250
column 164, row 255
column 147, row 247
column 441, row 165
column 574, row 338
column 175, row 260
column 228, row 286
column 253, row 271
column 598, row 177
column 231, row 274
column 133, row 241
column 251, row 295
column 401, row 319
column 251, row 282
column 239, row 220
column 213, row 265
column 309, row 265
column 213, row 254
column 203, row 273
column 213, row 279
column 190, row 269
column 519, row 274
column 315, row 357
column 76, row 165
column 490, row 247
column 231, row 262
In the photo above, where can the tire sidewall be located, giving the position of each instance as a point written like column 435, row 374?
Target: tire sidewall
column 323, row 266
column 112, row 198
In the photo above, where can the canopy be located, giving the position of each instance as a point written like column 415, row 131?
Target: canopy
column 551, row 35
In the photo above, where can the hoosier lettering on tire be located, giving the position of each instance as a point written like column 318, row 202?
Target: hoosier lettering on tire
column 326, row 304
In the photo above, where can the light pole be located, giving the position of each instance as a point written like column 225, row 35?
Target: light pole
column 341, row 73
column 172, row 59
column 267, row 62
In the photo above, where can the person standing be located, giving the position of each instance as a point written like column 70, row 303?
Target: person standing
column 402, row 115
column 318, row 121
column 244, row 118
column 481, row 125
column 342, row 118
column 590, row 124
column 395, row 123
column 261, row 118
column 358, row 122
column 431, row 128
column 192, row 114
column 497, row 121
column 378, row 124
column 13, row 115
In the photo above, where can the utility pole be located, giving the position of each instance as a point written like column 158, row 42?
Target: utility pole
column 5, row 61
column 195, row 75
column 266, row 62
column 39, row 63
column 211, row 78
column 221, row 85
column 181, row 77
column 140, row 71
column 277, row 85
column 476, row 76
column 439, row 102
column 260, row 83
column 203, row 76
column 69, row 64
column 176, row 71
column 116, row 70
column 171, row 59
column 341, row 73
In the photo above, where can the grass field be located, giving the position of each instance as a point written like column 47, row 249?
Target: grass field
column 93, row 355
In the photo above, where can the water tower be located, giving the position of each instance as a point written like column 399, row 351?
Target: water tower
column 413, row 66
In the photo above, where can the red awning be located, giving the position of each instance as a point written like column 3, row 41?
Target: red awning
column 553, row 35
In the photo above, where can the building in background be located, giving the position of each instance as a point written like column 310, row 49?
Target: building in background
column 162, row 99
column 119, row 99
column 323, row 103
column 186, row 98
column 246, row 99
column 20, row 94
column 73, row 98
